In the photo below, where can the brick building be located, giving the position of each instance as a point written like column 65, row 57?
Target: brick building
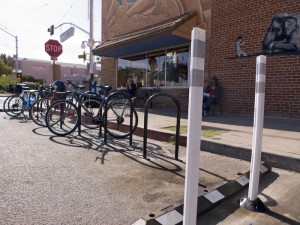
column 43, row 70
column 149, row 41
column 252, row 20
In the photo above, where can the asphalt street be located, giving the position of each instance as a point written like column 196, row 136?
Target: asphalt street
column 46, row 179
column 78, row 180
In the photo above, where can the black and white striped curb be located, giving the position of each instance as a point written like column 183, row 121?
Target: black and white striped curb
column 173, row 215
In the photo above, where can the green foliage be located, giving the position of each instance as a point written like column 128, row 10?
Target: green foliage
column 6, row 80
column 206, row 132
column 8, row 60
column 4, row 68
column 28, row 77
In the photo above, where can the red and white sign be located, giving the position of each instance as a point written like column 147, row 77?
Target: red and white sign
column 53, row 48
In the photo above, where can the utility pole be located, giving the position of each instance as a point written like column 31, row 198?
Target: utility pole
column 92, row 42
column 17, row 58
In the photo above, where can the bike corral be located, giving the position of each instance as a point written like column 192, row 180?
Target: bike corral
column 118, row 96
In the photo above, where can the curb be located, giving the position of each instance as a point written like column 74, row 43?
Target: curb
column 174, row 213
column 274, row 160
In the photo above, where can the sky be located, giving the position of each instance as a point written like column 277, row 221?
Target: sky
column 30, row 19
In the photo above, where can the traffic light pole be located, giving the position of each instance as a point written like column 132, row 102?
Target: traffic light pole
column 74, row 26
column 17, row 58
column 92, row 42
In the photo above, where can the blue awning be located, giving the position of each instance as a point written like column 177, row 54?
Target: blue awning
column 166, row 34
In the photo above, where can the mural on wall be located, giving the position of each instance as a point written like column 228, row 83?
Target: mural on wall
column 124, row 16
column 282, row 37
column 283, row 34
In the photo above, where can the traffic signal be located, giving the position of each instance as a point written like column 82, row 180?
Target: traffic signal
column 83, row 56
column 51, row 30
column 19, row 77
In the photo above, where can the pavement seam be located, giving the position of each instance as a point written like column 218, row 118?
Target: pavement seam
column 174, row 214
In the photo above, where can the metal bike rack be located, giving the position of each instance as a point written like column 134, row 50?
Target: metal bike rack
column 120, row 95
column 148, row 103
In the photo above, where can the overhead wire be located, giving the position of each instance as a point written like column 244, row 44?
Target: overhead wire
column 14, row 17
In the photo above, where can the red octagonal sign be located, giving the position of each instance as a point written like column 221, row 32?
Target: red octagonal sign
column 53, row 48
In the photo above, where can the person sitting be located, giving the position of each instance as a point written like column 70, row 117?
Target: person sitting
column 212, row 94
column 130, row 87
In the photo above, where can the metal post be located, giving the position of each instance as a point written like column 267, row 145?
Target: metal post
column 53, row 67
column 253, row 203
column 17, row 58
column 194, row 126
column 91, row 41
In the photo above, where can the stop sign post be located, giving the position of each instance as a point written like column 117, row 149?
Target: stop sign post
column 53, row 48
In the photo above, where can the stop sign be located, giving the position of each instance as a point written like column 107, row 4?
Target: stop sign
column 53, row 48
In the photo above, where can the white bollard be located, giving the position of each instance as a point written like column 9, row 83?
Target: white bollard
column 194, row 126
column 253, row 203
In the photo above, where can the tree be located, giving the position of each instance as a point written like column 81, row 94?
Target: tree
column 8, row 60
column 6, row 80
column 4, row 68
column 28, row 77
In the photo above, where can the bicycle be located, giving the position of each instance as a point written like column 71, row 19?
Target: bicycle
column 38, row 109
column 62, row 117
column 18, row 104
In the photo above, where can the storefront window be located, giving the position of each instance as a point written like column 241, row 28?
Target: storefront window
column 132, row 69
column 162, row 68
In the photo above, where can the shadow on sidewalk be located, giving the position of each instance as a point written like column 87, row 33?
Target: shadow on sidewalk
column 229, row 207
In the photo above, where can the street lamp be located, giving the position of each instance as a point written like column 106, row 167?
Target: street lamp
column 88, row 44
column 17, row 59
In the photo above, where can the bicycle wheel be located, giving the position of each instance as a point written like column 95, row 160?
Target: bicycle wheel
column 15, row 106
column 5, row 106
column 38, row 111
column 118, row 119
column 91, row 113
column 62, row 118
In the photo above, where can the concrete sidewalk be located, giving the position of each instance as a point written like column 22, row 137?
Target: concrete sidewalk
column 231, row 135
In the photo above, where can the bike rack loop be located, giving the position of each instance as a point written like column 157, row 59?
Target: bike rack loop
column 147, row 105
column 124, row 96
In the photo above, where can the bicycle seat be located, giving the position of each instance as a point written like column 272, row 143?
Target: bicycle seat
column 31, row 91
column 105, row 87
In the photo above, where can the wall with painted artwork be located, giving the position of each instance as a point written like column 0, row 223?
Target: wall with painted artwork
column 269, row 27
column 125, row 16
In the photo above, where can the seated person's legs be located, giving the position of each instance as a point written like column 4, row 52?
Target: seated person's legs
column 206, row 103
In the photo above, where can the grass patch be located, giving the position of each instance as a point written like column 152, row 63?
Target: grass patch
column 207, row 133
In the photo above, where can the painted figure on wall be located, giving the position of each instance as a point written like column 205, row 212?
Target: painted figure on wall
column 283, row 34
column 123, row 16
column 238, row 47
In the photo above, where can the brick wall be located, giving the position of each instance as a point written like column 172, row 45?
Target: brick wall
column 251, row 19
column 109, row 71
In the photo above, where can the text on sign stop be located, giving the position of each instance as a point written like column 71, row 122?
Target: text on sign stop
column 53, row 48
